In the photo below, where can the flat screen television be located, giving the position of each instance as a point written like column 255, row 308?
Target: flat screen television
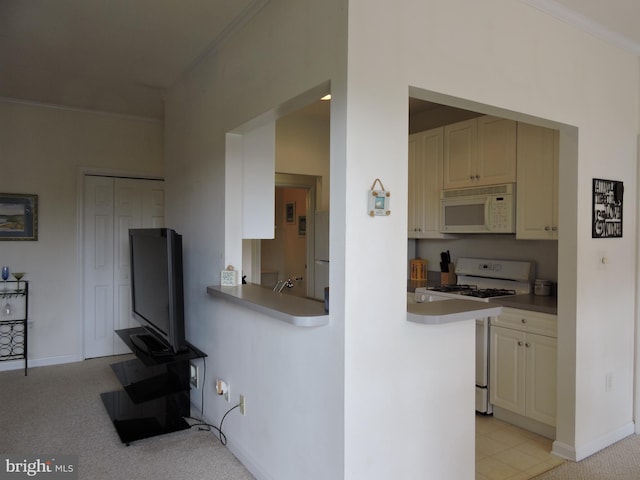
column 157, row 296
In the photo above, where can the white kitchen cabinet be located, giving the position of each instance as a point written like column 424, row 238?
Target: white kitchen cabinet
column 523, row 364
column 537, row 191
column 425, row 183
column 507, row 369
column 459, row 167
column 478, row 152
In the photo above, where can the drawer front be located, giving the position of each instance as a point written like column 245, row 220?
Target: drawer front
column 527, row 321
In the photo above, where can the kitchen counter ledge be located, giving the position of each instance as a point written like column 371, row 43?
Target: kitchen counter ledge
column 448, row 311
column 298, row 311
column 534, row 303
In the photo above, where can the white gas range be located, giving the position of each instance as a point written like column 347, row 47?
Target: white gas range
column 480, row 280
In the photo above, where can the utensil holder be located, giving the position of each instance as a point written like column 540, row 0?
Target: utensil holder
column 418, row 269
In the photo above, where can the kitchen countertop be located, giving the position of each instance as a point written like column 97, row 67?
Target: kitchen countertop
column 535, row 303
column 448, row 311
column 305, row 312
column 298, row 311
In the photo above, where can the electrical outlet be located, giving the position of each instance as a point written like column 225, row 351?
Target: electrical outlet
column 608, row 382
column 222, row 388
column 193, row 375
column 242, row 404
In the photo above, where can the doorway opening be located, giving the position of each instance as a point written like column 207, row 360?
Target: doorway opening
column 291, row 254
column 284, row 258
column 286, row 210
column 434, row 111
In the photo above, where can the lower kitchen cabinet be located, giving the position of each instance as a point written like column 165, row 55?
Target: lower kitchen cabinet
column 523, row 366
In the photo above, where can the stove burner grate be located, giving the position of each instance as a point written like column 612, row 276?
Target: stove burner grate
column 490, row 292
column 454, row 288
column 474, row 291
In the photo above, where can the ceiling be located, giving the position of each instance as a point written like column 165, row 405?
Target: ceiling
column 115, row 55
column 120, row 55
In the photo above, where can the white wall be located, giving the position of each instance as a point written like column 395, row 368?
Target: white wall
column 366, row 397
column 43, row 149
column 302, row 147
column 292, row 377
column 511, row 56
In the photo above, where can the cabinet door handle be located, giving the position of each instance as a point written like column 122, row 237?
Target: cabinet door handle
column 470, row 177
column 527, row 344
column 477, row 177
column 524, row 320
column 555, row 229
column 546, row 228
column 520, row 343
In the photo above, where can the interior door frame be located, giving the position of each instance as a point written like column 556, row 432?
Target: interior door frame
column 292, row 180
column 83, row 172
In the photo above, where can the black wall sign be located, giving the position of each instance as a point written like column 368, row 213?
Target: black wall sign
column 607, row 208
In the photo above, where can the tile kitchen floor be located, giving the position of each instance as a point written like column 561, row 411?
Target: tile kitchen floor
column 506, row 452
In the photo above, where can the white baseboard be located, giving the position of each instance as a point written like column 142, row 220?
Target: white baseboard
column 39, row 362
column 576, row 454
column 248, row 462
column 237, row 451
column 563, row 450
column 529, row 424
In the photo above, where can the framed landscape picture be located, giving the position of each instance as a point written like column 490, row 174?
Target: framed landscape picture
column 18, row 216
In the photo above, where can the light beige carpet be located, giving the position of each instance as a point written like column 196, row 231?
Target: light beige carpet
column 58, row 410
column 620, row 461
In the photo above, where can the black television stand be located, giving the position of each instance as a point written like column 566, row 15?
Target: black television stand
column 148, row 344
column 155, row 399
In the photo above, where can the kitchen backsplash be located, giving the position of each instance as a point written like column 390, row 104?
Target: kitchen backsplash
column 506, row 247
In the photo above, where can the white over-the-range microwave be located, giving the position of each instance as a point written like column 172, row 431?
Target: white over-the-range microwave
column 489, row 209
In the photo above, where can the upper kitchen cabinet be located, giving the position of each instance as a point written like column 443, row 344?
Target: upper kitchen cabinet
column 537, row 191
column 478, row 152
column 425, row 183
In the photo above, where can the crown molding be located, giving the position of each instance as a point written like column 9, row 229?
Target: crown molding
column 54, row 106
column 585, row 23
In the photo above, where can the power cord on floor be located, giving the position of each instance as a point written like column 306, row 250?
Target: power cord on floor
column 221, row 435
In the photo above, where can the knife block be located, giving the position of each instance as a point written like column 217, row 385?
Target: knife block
column 448, row 278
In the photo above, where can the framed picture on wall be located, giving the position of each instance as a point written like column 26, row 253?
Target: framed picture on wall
column 290, row 212
column 302, row 225
column 18, row 216
column 607, row 208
